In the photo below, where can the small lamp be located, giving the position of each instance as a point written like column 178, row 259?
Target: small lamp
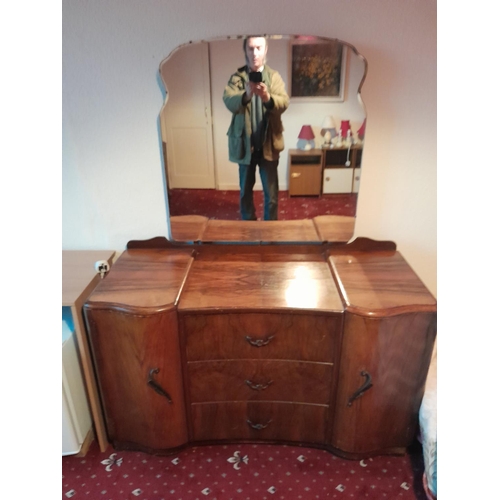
column 328, row 131
column 306, row 138
column 361, row 131
column 345, row 132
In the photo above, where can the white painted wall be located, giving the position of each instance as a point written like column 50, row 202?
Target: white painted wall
column 112, row 170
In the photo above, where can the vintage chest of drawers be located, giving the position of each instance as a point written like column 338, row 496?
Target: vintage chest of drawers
column 321, row 345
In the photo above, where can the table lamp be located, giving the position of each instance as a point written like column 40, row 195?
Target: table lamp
column 361, row 131
column 306, row 138
column 328, row 131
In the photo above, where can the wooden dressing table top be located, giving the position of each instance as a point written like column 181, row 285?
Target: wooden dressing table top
column 380, row 284
column 333, row 228
column 144, row 278
column 252, row 284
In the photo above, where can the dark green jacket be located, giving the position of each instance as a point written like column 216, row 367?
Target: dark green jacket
column 240, row 129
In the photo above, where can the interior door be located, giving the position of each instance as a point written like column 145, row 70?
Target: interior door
column 187, row 119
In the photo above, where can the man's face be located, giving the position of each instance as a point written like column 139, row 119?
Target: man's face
column 256, row 51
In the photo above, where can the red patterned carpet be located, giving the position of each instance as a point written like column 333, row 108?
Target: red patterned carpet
column 240, row 472
column 225, row 204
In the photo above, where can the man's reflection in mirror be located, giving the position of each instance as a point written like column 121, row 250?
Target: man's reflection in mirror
column 256, row 97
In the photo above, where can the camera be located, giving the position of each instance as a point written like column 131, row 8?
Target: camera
column 255, row 76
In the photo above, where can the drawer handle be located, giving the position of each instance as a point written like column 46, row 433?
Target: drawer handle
column 258, row 427
column 366, row 385
column 156, row 387
column 259, row 342
column 258, row 387
column 295, row 175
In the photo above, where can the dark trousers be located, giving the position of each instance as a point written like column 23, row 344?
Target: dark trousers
column 268, row 171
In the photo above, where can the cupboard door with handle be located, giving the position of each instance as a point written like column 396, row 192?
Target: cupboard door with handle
column 384, row 363
column 305, row 172
column 137, row 359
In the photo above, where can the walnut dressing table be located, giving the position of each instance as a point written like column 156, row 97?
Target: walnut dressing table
column 316, row 342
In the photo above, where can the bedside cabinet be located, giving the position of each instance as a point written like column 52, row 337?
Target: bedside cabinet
column 304, row 172
column 337, row 176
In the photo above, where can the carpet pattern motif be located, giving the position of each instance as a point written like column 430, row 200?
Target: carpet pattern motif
column 243, row 472
column 225, row 204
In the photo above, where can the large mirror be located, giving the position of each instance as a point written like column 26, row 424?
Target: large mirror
column 318, row 174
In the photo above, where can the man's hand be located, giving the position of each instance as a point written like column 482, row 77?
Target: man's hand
column 261, row 90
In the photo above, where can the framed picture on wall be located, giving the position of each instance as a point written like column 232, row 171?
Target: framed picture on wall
column 317, row 69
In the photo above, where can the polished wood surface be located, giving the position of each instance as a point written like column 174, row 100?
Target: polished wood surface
column 79, row 278
column 188, row 227
column 255, row 231
column 126, row 348
column 260, row 380
column 334, row 227
column 380, row 284
column 286, row 336
column 281, row 421
column 260, row 286
column 148, row 279
column 264, row 342
column 396, row 353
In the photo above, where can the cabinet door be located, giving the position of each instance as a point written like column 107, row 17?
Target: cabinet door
column 337, row 180
column 137, row 359
column 393, row 355
column 355, row 180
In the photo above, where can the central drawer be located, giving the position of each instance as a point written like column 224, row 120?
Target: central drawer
column 306, row 337
column 260, row 380
column 259, row 421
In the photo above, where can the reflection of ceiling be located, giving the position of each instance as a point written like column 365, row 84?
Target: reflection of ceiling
column 191, row 76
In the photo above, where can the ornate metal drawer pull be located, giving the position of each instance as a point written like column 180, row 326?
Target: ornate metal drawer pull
column 258, row 387
column 367, row 384
column 258, row 427
column 259, row 342
column 156, row 387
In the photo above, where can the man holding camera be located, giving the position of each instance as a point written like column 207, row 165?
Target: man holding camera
column 256, row 96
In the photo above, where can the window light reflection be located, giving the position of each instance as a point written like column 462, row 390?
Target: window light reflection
column 302, row 291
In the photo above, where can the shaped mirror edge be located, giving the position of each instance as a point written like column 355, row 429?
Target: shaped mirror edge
column 191, row 224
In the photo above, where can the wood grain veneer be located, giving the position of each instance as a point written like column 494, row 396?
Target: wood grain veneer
column 309, row 320
column 126, row 348
column 260, row 286
column 269, row 231
column 396, row 352
column 285, row 421
column 260, row 380
column 334, row 227
column 188, row 227
column 148, row 279
column 380, row 284
column 295, row 337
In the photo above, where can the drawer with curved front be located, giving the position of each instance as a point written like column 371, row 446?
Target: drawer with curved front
column 260, row 380
column 274, row 421
column 307, row 337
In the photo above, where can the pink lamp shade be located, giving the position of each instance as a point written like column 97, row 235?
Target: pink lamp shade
column 306, row 132
column 345, row 126
column 361, row 130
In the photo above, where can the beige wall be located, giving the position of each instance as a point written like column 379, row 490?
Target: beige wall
column 112, row 174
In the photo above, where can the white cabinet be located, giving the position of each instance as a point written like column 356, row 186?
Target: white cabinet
column 337, row 180
column 76, row 419
column 355, row 180
column 342, row 170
